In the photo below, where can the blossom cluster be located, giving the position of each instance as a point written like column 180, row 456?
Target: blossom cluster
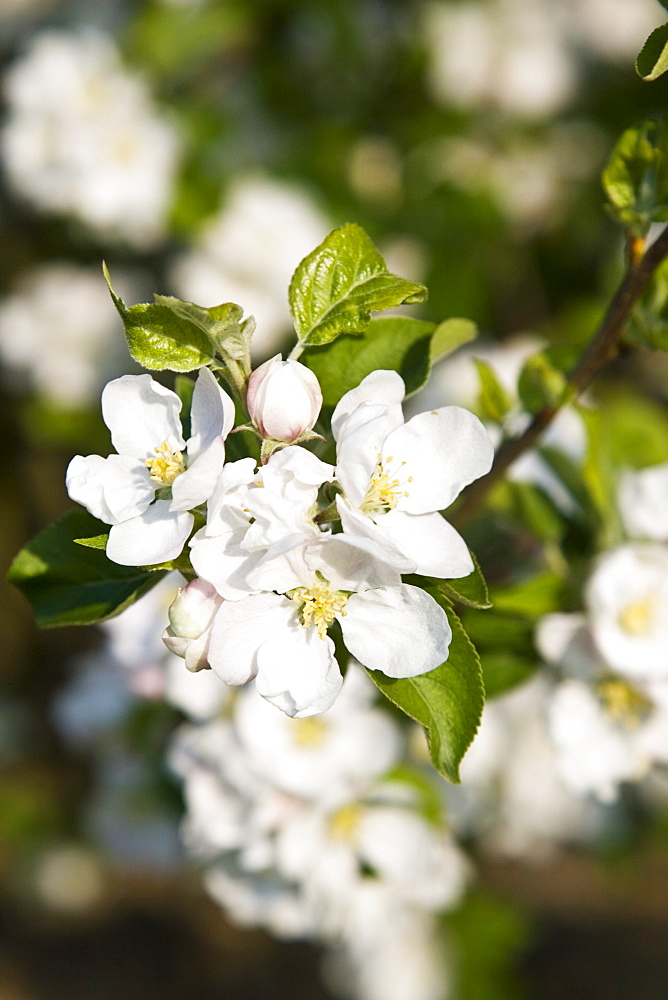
column 271, row 574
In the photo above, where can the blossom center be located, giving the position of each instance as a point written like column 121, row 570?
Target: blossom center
column 384, row 489
column 637, row 617
column 309, row 733
column 167, row 464
column 345, row 822
column 622, row 702
column 319, row 605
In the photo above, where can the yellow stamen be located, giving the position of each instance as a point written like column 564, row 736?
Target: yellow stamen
column 637, row 617
column 319, row 605
column 345, row 822
column 624, row 704
column 166, row 466
column 310, row 732
column 382, row 492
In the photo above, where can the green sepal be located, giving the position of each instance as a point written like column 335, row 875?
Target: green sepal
column 96, row 542
column 652, row 61
column 447, row 701
column 338, row 285
column 636, row 177
column 494, row 400
column 71, row 584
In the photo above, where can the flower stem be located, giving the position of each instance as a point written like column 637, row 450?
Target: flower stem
column 603, row 346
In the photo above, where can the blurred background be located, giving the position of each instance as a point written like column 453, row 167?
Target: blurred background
column 202, row 148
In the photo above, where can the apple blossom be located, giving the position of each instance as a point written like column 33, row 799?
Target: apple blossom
column 146, row 491
column 279, row 635
column 397, row 476
column 283, row 400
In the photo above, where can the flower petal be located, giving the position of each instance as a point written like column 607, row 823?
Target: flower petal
column 211, row 416
column 443, row 450
column 297, row 671
column 155, row 536
column 240, row 628
column 112, row 489
column 399, row 630
column 360, row 443
column 141, row 414
column 197, row 483
column 381, row 386
column 221, row 561
column 436, row 548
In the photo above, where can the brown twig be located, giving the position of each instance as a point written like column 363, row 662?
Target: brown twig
column 602, row 347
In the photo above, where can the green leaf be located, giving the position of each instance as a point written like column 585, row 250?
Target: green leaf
column 541, row 385
column 224, row 325
column 96, row 542
column 648, row 322
column 636, row 177
column 447, row 701
column 336, row 287
column 494, row 400
column 502, row 671
column 451, row 334
column 652, row 61
column 159, row 338
column 532, row 509
column 69, row 584
column 396, row 342
column 470, row 590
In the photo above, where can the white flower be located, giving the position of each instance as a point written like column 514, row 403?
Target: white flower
column 643, row 502
column 280, row 636
column 330, row 757
column 249, row 511
column 143, row 418
column 397, row 476
column 283, row 399
column 83, row 138
column 59, row 330
column 627, row 600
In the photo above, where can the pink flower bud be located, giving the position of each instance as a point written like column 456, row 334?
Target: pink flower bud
column 190, row 618
column 283, row 399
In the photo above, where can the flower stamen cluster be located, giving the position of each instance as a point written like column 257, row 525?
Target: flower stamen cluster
column 625, row 704
column 638, row 616
column 167, row 465
column 382, row 492
column 320, row 605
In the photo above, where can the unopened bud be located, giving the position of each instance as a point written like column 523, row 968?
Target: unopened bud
column 283, row 399
column 190, row 618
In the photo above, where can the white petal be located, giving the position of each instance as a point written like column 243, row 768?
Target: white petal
column 212, row 413
column 360, row 443
column 224, row 563
column 113, row 489
column 197, row 483
column 399, row 630
column 240, row 628
column 436, row 548
column 155, row 536
column 356, row 524
column 443, row 450
column 381, row 386
column 297, row 671
column 351, row 563
column 304, row 465
column 141, row 414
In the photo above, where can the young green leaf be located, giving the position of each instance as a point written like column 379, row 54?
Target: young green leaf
column 159, row 338
column 652, row 61
column 70, row 584
column 96, row 542
column 451, row 334
column 336, row 287
column 447, row 701
column 224, row 325
column 470, row 590
column 636, row 177
column 541, row 384
column 494, row 399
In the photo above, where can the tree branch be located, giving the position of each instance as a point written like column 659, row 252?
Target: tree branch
column 602, row 347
